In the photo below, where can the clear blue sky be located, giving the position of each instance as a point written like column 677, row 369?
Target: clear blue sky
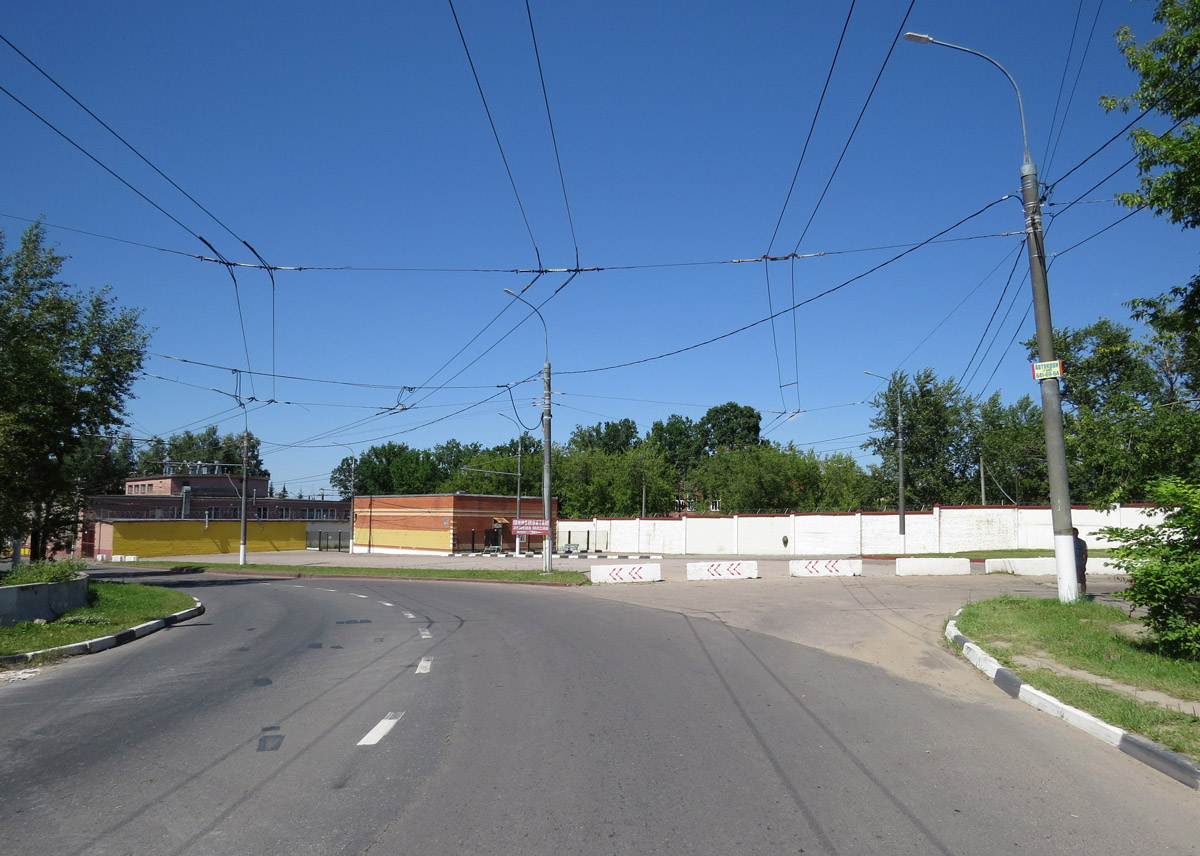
column 352, row 135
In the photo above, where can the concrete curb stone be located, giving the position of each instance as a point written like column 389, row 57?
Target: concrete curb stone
column 1177, row 766
column 103, row 643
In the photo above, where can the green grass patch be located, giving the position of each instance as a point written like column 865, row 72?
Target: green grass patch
column 112, row 607
column 1085, row 635
column 569, row 577
column 1179, row 732
column 1097, row 639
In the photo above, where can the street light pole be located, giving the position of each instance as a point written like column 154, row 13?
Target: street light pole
column 353, row 472
column 899, row 455
column 1052, row 420
column 520, row 455
column 548, row 543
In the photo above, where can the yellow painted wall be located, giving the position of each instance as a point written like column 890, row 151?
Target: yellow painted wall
column 412, row 539
column 190, row 537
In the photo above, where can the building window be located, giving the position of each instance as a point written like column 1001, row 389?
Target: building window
column 262, row 512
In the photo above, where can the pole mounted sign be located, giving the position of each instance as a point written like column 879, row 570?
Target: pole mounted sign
column 530, row 526
column 1053, row 368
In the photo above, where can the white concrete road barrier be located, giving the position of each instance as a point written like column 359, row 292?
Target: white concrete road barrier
column 1045, row 566
column 906, row 567
column 825, row 568
column 626, row 573
column 722, row 570
column 1035, row 567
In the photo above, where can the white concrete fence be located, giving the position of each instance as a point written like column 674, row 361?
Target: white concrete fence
column 943, row 530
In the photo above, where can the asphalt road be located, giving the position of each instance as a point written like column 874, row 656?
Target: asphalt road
column 663, row 718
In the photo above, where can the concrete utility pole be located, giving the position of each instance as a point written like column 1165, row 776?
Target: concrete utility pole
column 520, row 455
column 1056, row 453
column 547, row 504
column 245, row 467
column 899, row 457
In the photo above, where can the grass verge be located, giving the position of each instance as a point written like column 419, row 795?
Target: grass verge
column 1099, row 640
column 567, row 577
column 112, row 607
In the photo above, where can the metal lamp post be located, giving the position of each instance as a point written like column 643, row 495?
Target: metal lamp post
column 520, row 455
column 353, row 471
column 1056, row 454
column 899, row 454
column 548, row 544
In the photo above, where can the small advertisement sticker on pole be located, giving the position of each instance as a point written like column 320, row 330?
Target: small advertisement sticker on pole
column 1053, row 368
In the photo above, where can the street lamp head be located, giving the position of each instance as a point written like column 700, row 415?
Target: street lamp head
column 510, row 291
column 919, row 38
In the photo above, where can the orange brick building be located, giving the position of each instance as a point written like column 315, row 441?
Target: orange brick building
column 440, row 523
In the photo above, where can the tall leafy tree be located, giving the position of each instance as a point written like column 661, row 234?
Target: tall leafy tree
column 205, row 447
column 67, row 364
column 1168, row 162
column 611, row 437
column 681, row 442
column 730, row 426
column 940, row 447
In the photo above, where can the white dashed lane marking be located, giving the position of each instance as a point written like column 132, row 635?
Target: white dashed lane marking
column 424, row 666
column 363, row 596
column 381, row 729
column 385, row 603
column 409, row 615
column 425, row 634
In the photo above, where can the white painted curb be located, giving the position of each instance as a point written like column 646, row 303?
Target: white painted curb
column 817, row 568
column 625, row 574
column 1179, row 767
column 722, row 570
column 906, row 567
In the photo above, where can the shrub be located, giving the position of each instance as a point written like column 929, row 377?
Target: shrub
column 44, row 572
column 1163, row 563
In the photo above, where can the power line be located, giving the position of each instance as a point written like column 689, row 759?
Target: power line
column 496, row 134
column 792, row 308
column 553, row 138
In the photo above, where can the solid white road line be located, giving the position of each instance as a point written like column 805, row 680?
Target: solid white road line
column 381, row 729
column 424, row 666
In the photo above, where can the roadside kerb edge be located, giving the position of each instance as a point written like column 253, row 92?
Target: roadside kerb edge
column 1177, row 766
column 103, row 643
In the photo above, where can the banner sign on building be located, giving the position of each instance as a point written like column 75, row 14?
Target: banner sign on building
column 530, row 526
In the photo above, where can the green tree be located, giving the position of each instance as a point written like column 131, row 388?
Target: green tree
column 681, row 442
column 1125, row 424
column 759, row 479
column 845, row 486
column 203, row 448
column 940, row 446
column 730, row 426
column 1168, row 162
column 1163, row 563
column 68, row 363
column 1012, row 443
column 611, row 437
